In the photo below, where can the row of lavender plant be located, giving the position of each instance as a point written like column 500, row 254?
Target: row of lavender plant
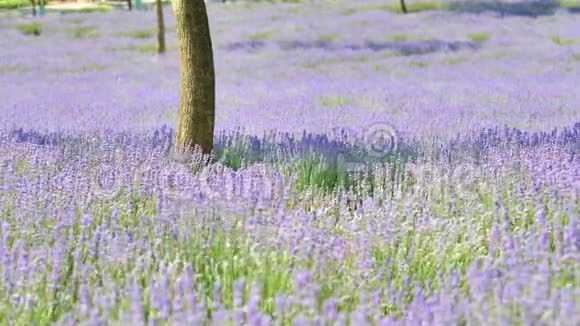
column 108, row 228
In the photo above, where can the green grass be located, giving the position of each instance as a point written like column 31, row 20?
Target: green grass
column 456, row 60
column 418, row 64
column 92, row 10
column 349, row 11
column 569, row 3
column 320, row 173
column 15, row 4
column 308, row 64
column 479, row 37
column 74, row 21
column 4, row 69
column 83, row 69
column 83, row 32
column 399, row 37
column 139, row 34
column 328, row 37
column 562, row 42
column 239, row 154
column 30, row 29
column 260, row 36
column 499, row 54
column 145, row 48
column 331, row 101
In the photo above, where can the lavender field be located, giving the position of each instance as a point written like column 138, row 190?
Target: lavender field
column 370, row 168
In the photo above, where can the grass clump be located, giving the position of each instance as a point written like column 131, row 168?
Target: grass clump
column 30, row 29
column 260, row 36
column 83, row 32
column 562, row 42
column 13, row 69
column 328, row 37
column 240, row 153
column 320, row 173
column 83, row 69
column 74, row 21
column 399, row 37
column 139, row 34
column 418, row 64
column 456, row 60
column 479, row 37
column 331, row 101
column 308, row 65
column 146, row 48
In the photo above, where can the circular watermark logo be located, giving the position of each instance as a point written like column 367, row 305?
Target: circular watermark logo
column 455, row 174
column 255, row 183
column 380, row 139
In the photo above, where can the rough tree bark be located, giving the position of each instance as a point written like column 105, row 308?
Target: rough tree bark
column 33, row 2
column 160, row 28
column 403, row 7
column 195, row 122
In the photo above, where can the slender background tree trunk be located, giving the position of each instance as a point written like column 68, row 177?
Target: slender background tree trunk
column 160, row 28
column 403, row 6
column 33, row 2
column 130, row 4
column 195, row 122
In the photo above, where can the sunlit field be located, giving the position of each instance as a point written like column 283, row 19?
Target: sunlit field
column 369, row 168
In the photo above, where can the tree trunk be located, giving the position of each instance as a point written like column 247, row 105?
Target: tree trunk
column 160, row 28
column 195, row 121
column 33, row 2
column 130, row 4
column 403, row 7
